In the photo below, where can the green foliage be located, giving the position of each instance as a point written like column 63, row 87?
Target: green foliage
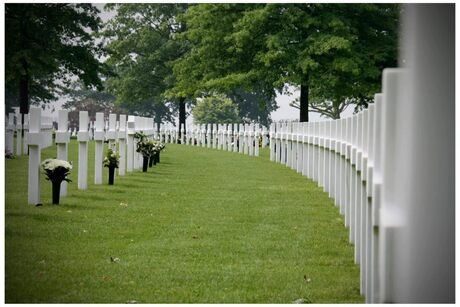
column 142, row 145
column 140, row 136
column 254, row 105
column 50, row 45
column 82, row 98
column 142, row 44
column 111, row 159
column 218, row 109
column 163, row 52
column 178, row 234
column 212, row 63
column 145, row 146
column 338, row 50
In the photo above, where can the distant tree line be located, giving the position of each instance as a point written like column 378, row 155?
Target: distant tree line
column 157, row 59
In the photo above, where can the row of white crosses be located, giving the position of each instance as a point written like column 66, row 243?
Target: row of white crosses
column 242, row 138
column 356, row 160
column 114, row 131
column 14, row 125
column 335, row 155
column 390, row 168
column 119, row 132
column 9, row 133
column 167, row 134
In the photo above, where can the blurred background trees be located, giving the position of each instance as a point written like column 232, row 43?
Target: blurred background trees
column 160, row 59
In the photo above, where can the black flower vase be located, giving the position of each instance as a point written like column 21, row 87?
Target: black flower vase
column 151, row 159
column 111, row 174
column 145, row 163
column 56, row 192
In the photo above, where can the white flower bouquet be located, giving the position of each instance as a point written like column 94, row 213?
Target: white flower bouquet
column 111, row 159
column 56, row 171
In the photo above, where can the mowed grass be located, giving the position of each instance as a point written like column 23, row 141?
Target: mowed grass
column 203, row 226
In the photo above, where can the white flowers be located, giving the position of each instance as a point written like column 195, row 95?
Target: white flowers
column 111, row 159
column 52, row 164
column 56, row 170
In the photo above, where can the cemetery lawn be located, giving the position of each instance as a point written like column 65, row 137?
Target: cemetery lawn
column 203, row 226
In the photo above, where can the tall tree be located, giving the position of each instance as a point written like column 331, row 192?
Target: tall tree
column 211, row 65
column 355, row 77
column 142, row 41
column 46, row 47
column 332, row 52
column 211, row 56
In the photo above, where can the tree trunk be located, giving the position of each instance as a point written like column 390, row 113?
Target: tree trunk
column 181, row 116
column 158, row 126
column 336, row 109
column 336, row 114
column 303, row 105
column 23, row 95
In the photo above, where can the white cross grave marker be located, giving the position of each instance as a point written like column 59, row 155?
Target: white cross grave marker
column 34, row 142
column 130, row 143
column 122, row 145
column 62, row 141
column 99, row 136
column 9, row 133
column 83, row 137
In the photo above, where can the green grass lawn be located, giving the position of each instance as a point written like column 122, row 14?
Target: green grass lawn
column 203, row 226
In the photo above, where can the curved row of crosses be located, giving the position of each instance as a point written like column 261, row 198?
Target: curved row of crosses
column 390, row 169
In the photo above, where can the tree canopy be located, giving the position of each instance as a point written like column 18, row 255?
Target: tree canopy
column 216, row 109
column 165, row 55
column 146, row 41
column 334, row 52
column 82, row 98
column 141, row 41
column 253, row 106
column 46, row 47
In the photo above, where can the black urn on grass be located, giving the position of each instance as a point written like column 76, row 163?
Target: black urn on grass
column 111, row 174
column 111, row 162
column 145, row 163
column 56, row 171
column 151, row 161
column 56, row 187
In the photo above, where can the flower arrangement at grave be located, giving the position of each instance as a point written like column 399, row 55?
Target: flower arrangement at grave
column 157, row 147
column 145, row 148
column 161, row 147
column 56, row 171
column 150, row 150
column 140, row 136
column 153, row 151
column 111, row 160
